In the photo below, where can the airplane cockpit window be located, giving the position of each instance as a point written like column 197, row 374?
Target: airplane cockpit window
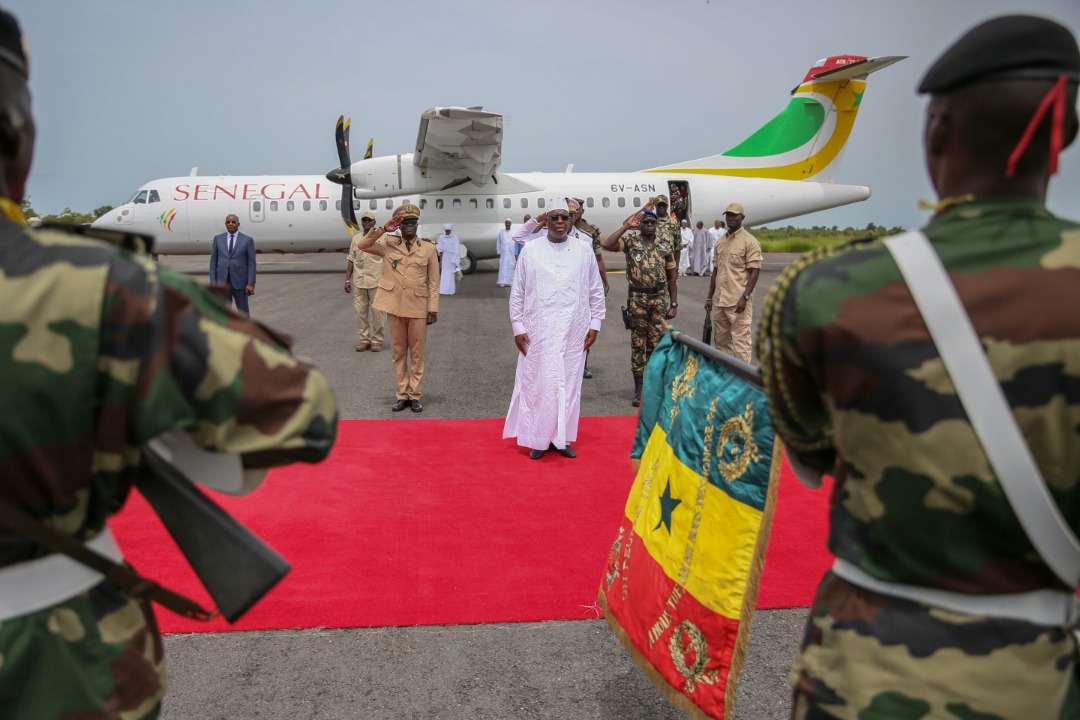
column 307, row 205
column 637, row 202
column 273, row 205
column 439, row 204
column 588, row 202
column 506, row 203
column 290, row 206
column 622, row 202
column 139, row 198
column 154, row 197
column 606, row 202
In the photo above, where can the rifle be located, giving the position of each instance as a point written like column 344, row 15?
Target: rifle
column 234, row 565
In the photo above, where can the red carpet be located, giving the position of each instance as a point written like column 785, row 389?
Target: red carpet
column 436, row 522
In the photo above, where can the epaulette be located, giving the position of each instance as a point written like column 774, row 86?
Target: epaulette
column 428, row 240
column 135, row 242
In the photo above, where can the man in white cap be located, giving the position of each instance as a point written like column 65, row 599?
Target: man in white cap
column 449, row 248
column 737, row 263
column 556, row 308
column 507, row 256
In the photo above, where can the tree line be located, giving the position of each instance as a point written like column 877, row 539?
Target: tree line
column 68, row 215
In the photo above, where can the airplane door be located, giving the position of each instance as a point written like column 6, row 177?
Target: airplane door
column 679, row 191
column 256, row 208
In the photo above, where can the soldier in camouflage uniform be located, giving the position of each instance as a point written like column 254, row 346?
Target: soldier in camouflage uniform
column 667, row 227
column 653, row 289
column 858, row 390
column 101, row 350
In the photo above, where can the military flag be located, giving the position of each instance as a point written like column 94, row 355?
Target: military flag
column 681, row 580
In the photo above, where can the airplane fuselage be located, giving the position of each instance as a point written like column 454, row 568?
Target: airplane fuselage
column 301, row 213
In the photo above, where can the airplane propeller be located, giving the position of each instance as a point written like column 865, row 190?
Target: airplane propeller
column 342, row 175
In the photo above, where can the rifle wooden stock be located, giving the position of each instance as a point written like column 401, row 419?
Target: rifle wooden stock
column 235, row 565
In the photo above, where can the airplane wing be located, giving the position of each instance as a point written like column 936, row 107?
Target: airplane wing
column 463, row 139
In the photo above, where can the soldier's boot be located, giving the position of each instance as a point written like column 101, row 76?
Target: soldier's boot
column 636, row 402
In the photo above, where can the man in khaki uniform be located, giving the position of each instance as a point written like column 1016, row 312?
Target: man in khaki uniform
column 408, row 294
column 736, row 265
column 367, row 267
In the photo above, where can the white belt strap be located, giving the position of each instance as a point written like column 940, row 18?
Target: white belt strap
column 985, row 404
column 1042, row 607
column 34, row 585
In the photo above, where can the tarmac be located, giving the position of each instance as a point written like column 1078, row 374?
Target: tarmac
column 549, row 670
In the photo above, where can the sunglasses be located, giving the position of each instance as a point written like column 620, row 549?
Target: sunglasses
column 555, row 218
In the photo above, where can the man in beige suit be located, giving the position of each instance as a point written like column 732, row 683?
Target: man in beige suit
column 362, row 280
column 408, row 294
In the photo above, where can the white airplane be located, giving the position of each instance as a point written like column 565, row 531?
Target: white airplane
column 784, row 169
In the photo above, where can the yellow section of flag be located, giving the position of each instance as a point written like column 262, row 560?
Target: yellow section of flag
column 710, row 545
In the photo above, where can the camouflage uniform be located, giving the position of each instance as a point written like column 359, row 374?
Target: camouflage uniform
column 855, row 383
column 669, row 231
column 646, row 267
column 102, row 349
column 593, row 232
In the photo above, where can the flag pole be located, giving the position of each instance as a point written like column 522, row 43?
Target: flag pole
column 746, row 371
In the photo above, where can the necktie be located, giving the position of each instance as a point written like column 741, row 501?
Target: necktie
column 408, row 246
column 232, row 239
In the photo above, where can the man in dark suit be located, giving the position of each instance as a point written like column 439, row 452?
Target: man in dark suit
column 232, row 262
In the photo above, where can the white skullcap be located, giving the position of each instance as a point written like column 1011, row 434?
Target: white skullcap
column 509, row 220
column 557, row 203
column 447, row 226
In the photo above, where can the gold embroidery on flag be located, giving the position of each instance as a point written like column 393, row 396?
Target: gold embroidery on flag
column 694, row 672
column 664, row 621
column 613, row 560
column 684, row 385
column 738, row 431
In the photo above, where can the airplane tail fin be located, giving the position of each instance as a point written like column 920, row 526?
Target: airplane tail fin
column 807, row 139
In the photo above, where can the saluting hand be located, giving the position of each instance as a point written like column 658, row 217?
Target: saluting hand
column 541, row 220
column 522, row 342
column 392, row 224
column 635, row 220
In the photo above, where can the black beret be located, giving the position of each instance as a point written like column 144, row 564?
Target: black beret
column 1013, row 46
column 12, row 50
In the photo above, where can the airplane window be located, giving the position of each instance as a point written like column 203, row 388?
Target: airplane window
column 290, row 206
column 605, row 202
column 256, row 206
column 588, row 202
column 473, row 204
column 389, row 204
column 622, row 202
column 490, row 203
column 154, row 197
column 457, row 202
column 423, row 203
column 506, row 203
column 524, row 202
column 337, row 206
column 307, row 205
column 355, row 204
column 140, row 197
column 373, row 205
column 273, row 205
column 539, row 202
column 637, row 202
column 322, row 204
column 439, row 204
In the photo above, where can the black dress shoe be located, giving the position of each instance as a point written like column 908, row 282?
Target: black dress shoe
column 417, row 407
column 536, row 454
column 567, row 452
column 587, row 375
column 400, row 405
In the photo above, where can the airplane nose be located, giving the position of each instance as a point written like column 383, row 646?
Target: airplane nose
column 339, row 176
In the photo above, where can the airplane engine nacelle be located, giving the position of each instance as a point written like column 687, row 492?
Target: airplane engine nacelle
column 393, row 175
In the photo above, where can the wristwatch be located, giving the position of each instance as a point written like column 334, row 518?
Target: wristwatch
column 745, row 296
column 674, row 304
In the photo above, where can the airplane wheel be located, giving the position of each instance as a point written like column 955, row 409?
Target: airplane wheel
column 468, row 263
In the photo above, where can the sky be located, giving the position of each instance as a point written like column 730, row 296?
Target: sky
column 129, row 91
